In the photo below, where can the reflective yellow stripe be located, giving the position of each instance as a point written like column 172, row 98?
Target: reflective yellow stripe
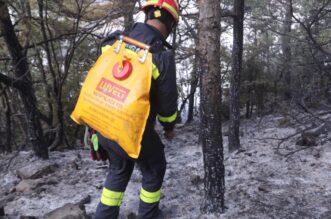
column 95, row 142
column 151, row 2
column 167, row 119
column 166, row 5
column 150, row 197
column 155, row 72
column 111, row 198
column 105, row 48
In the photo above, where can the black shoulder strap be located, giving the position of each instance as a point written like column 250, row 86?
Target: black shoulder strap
column 110, row 39
column 160, row 46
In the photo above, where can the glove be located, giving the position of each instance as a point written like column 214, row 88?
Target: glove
column 97, row 152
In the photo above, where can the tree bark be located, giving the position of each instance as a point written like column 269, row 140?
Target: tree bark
column 237, row 51
column 128, row 14
column 286, row 47
column 22, row 73
column 193, row 88
column 211, row 96
column 8, row 146
column 8, row 124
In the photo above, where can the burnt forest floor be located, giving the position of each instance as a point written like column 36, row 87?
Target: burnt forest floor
column 261, row 181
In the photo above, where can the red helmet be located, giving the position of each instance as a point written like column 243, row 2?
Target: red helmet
column 169, row 5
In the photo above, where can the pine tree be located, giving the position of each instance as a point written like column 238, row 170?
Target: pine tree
column 211, row 96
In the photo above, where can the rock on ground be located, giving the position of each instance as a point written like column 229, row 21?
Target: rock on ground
column 68, row 211
column 35, row 170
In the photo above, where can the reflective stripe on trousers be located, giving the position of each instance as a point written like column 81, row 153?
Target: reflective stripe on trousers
column 111, row 198
column 150, row 197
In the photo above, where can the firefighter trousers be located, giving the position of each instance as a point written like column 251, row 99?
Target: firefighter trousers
column 152, row 164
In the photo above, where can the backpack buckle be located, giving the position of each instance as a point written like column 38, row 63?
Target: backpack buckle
column 142, row 59
column 118, row 48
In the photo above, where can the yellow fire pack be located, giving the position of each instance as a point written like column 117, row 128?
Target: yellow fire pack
column 114, row 99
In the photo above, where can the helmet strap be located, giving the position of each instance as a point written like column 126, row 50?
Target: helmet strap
column 173, row 32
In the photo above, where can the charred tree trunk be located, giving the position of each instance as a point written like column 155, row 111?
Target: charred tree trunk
column 128, row 14
column 8, row 147
column 211, row 95
column 249, row 105
column 54, row 138
column 22, row 74
column 237, row 51
column 6, row 109
column 193, row 88
column 286, row 47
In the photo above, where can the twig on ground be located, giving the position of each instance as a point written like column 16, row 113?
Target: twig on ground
column 11, row 159
column 295, row 151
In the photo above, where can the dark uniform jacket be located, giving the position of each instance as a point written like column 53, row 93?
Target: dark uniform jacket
column 163, row 94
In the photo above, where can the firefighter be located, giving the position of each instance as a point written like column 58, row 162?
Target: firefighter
column 161, row 17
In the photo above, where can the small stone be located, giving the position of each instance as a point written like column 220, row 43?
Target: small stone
column 27, row 185
column 317, row 154
column 74, row 165
column 99, row 187
column 85, row 200
column 73, row 181
column 262, row 189
column 131, row 215
column 196, row 180
column 35, row 170
column 248, row 154
column 308, row 139
column 71, row 211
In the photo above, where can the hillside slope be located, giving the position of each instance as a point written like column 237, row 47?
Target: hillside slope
column 260, row 183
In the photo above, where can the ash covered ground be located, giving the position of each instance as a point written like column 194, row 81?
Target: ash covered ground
column 261, row 182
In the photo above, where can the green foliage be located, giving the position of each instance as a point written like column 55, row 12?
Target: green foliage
column 60, row 57
column 61, row 40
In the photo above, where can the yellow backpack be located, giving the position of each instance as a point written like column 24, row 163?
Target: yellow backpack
column 114, row 99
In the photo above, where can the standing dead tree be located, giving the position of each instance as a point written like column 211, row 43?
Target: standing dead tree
column 211, row 95
column 49, row 43
column 22, row 81
column 286, row 48
column 61, row 53
column 5, row 144
column 237, row 51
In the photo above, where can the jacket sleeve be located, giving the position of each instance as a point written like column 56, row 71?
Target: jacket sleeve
column 164, row 74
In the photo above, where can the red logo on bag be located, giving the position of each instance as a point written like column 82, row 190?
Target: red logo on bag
column 113, row 90
column 122, row 71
